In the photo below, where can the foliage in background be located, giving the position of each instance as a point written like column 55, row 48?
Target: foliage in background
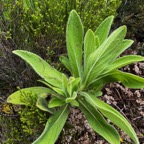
column 131, row 14
column 93, row 61
column 39, row 26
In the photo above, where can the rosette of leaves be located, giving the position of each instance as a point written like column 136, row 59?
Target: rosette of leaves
column 93, row 61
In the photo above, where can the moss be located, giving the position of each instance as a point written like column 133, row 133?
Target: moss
column 24, row 127
column 33, row 121
column 11, row 132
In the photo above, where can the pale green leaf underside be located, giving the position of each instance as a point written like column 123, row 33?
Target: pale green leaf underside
column 41, row 67
column 113, row 115
column 53, row 127
column 99, row 124
column 22, row 96
column 74, row 41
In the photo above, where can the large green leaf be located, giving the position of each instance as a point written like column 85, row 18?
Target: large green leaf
column 103, row 56
column 56, row 102
column 89, row 44
column 41, row 67
column 102, row 66
column 126, row 43
column 24, row 96
column 99, row 124
column 74, row 41
column 123, row 61
column 127, row 79
column 53, row 127
column 112, row 114
column 103, row 30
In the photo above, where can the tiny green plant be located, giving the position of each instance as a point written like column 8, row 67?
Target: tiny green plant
column 93, row 61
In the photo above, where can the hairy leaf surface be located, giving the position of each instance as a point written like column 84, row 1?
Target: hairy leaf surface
column 41, row 67
column 74, row 41
column 89, row 44
column 53, row 127
column 127, row 79
column 104, row 28
column 99, row 124
column 123, row 61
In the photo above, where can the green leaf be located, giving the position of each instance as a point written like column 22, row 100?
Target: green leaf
column 103, row 56
column 41, row 67
column 103, row 30
column 74, row 41
column 22, row 96
column 66, row 63
column 74, row 103
column 69, row 99
column 89, row 44
column 57, row 90
column 99, row 124
column 55, row 102
column 123, row 61
column 73, row 85
column 97, row 94
column 53, row 127
column 127, row 79
column 112, row 114
column 64, row 84
column 100, row 68
column 97, row 42
column 43, row 105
